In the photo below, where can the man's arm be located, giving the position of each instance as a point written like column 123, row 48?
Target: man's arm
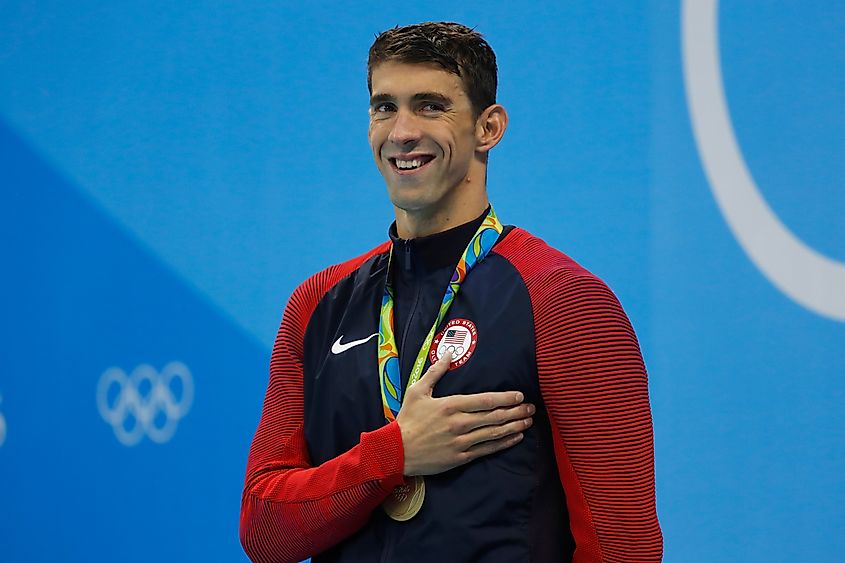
column 595, row 388
column 290, row 510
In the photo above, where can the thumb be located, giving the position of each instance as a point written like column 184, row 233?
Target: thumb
column 435, row 372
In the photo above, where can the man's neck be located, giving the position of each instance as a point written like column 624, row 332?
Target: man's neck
column 422, row 223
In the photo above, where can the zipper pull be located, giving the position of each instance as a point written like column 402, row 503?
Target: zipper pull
column 408, row 256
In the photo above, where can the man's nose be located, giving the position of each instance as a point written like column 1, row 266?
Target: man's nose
column 405, row 128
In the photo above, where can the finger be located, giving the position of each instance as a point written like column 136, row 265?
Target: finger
column 435, row 372
column 495, row 433
column 498, row 416
column 491, row 447
column 485, row 401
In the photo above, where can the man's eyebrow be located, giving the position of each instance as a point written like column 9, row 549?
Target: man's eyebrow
column 433, row 97
column 377, row 99
column 443, row 99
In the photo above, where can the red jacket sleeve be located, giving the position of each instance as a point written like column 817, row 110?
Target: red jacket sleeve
column 291, row 510
column 595, row 389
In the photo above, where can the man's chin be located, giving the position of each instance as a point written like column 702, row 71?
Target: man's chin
column 411, row 199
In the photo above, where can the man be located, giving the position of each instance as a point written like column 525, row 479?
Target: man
column 529, row 436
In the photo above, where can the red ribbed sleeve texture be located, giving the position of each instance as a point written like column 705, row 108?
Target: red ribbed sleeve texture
column 595, row 388
column 291, row 510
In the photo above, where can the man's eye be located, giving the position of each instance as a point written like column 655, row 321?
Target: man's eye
column 430, row 107
column 382, row 108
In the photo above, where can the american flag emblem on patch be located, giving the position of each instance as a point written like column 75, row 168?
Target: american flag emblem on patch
column 459, row 337
column 454, row 336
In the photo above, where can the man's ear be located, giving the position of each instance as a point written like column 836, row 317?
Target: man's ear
column 490, row 127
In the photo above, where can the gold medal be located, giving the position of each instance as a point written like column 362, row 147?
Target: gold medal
column 406, row 500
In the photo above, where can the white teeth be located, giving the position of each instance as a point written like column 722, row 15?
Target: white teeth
column 408, row 164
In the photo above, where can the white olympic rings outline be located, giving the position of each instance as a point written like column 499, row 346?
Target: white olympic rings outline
column 145, row 408
column 457, row 351
column 805, row 275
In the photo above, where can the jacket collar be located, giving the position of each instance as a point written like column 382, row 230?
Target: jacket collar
column 440, row 250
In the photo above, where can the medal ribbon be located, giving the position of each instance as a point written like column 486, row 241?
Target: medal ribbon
column 388, row 354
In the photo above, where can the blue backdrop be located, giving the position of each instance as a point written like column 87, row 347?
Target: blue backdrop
column 169, row 172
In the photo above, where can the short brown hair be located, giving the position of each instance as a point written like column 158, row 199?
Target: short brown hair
column 455, row 47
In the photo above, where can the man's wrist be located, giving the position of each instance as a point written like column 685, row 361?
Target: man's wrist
column 383, row 448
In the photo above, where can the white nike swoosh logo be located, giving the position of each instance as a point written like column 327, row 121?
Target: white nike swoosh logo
column 338, row 348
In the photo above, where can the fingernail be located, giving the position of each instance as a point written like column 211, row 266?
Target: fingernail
column 531, row 409
column 519, row 397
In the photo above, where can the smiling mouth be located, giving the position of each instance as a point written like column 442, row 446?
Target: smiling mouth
column 405, row 165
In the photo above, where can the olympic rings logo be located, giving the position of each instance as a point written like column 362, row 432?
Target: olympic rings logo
column 146, row 402
column 805, row 275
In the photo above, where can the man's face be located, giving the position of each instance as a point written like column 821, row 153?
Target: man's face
column 422, row 132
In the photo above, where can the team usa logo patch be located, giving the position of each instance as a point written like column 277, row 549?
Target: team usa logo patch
column 459, row 337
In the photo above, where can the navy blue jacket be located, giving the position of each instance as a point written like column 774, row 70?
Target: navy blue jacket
column 323, row 459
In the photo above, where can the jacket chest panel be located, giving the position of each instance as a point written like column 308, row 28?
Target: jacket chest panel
column 342, row 388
